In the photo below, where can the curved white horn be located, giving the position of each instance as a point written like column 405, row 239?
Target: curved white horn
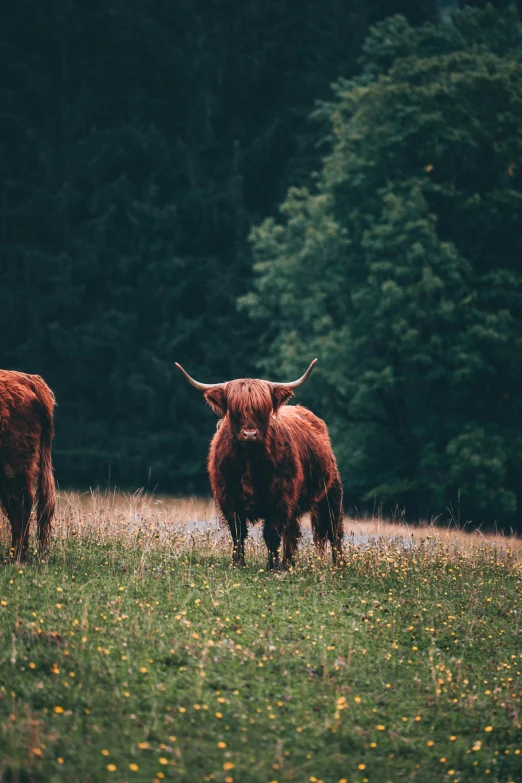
column 197, row 384
column 299, row 381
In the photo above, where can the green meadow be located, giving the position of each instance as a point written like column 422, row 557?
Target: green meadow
column 143, row 656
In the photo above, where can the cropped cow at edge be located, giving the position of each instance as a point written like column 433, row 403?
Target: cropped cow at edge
column 273, row 463
column 26, row 434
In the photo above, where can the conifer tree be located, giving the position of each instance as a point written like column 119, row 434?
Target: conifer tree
column 140, row 142
column 402, row 269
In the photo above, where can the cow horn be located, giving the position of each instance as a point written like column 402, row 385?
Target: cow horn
column 197, row 384
column 299, row 381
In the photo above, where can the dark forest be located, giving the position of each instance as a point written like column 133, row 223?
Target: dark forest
column 243, row 186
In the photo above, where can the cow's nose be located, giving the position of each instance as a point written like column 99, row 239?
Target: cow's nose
column 249, row 434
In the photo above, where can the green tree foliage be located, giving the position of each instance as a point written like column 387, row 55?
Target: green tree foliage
column 139, row 142
column 402, row 269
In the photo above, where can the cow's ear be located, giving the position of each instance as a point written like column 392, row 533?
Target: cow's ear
column 280, row 396
column 217, row 399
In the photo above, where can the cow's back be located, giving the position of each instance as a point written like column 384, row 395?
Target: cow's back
column 307, row 429
column 20, row 422
column 309, row 435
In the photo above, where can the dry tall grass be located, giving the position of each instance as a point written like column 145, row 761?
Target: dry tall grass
column 142, row 517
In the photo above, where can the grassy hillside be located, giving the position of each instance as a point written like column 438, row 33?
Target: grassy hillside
column 137, row 654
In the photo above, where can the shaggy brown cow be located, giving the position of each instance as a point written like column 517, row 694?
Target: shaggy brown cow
column 26, row 433
column 274, row 463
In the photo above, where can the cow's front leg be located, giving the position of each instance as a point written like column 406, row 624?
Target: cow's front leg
column 238, row 531
column 291, row 536
column 273, row 542
column 18, row 502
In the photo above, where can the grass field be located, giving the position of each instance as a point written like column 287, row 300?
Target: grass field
column 136, row 653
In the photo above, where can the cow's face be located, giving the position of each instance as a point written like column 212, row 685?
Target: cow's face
column 249, row 405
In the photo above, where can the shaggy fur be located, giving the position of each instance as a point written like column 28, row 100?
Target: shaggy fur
column 289, row 471
column 26, row 474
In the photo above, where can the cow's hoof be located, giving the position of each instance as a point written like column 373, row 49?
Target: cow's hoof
column 18, row 557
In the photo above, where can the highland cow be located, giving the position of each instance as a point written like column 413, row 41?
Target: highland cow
column 272, row 462
column 26, row 473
